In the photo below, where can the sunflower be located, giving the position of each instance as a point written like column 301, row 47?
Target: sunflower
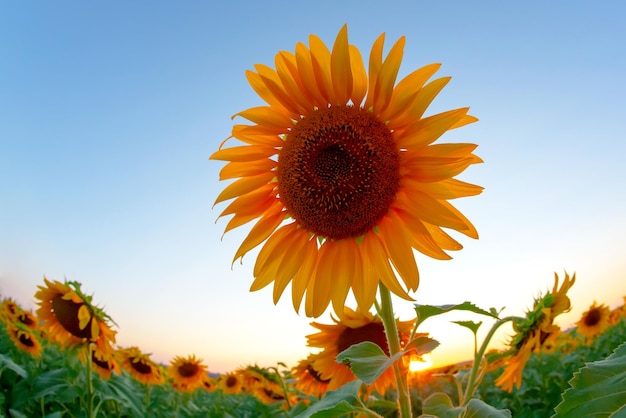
column 24, row 338
column 342, row 174
column 103, row 362
column 533, row 331
column 353, row 328
column 71, row 319
column 618, row 313
column 264, row 385
column 187, row 373
column 210, row 384
column 230, row 383
column 594, row 321
column 140, row 366
column 9, row 308
column 308, row 379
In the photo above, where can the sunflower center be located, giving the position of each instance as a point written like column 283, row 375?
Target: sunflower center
column 102, row 363
column 374, row 332
column 188, row 369
column 593, row 317
column 66, row 312
column 141, row 367
column 25, row 340
column 315, row 374
column 338, row 172
column 231, row 381
column 26, row 319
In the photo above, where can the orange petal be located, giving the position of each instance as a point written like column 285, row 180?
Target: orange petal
column 320, row 60
column 387, row 76
column 375, row 62
column 429, row 129
column 267, row 116
column 405, row 92
column 244, row 185
column 374, row 252
column 261, row 230
column 340, row 68
column 244, row 153
column 397, row 245
column 246, row 169
column 303, row 277
column 307, row 75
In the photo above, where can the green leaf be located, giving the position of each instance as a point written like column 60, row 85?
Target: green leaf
column 478, row 409
column 440, row 405
column 426, row 311
column 473, row 326
column 598, row 389
column 7, row 363
column 421, row 345
column 346, row 395
column 367, row 360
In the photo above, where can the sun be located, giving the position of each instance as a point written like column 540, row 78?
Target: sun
column 418, row 363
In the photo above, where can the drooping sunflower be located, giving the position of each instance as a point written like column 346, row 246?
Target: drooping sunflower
column 140, row 366
column 342, row 174
column 264, row 385
column 308, row 379
column 594, row 321
column 187, row 373
column 210, row 384
column 532, row 332
column 24, row 338
column 354, row 327
column 102, row 362
column 71, row 319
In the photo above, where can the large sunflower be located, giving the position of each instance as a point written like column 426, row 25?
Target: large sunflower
column 354, row 327
column 71, row 319
column 140, row 366
column 532, row 332
column 341, row 171
column 594, row 321
column 188, row 373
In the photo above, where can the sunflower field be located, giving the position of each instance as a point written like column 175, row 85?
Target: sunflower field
column 51, row 366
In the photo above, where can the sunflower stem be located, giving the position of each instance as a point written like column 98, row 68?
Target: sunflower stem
column 472, row 382
column 90, row 393
column 385, row 310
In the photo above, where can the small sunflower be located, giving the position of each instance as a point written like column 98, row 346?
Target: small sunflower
column 231, row 383
column 9, row 308
column 187, row 373
column 103, row 362
column 264, row 385
column 308, row 379
column 342, row 174
column 533, row 331
column 353, row 328
column 140, row 366
column 210, row 384
column 594, row 321
column 71, row 319
column 24, row 338
column 618, row 313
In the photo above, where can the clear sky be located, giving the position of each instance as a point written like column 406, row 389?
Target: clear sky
column 110, row 110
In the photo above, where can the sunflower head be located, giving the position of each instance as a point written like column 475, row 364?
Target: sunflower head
column 230, row 383
column 187, row 373
column 140, row 366
column 594, row 321
column 533, row 331
column 102, row 362
column 340, row 171
column 308, row 379
column 24, row 338
column 354, row 327
column 70, row 317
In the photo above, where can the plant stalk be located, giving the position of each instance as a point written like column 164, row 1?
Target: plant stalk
column 393, row 342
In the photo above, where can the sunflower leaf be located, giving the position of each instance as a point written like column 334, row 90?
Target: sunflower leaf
column 367, row 360
column 426, row 311
column 440, row 405
column 421, row 345
column 6, row 362
column 471, row 325
column 597, row 389
column 340, row 400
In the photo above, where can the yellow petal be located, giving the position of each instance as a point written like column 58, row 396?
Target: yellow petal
column 244, row 185
column 375, row 62
column 320, row 60
column 246, row 169
column 319, row 292
column 387, row 76
column 429, row 129
column 341, row 71
column 374, row 252
column 303, row 277
column 244, row 153
column 343, row 262
column 267, row 116
column 295, row 257
column 84, row 316
column 397, row 245
column 261, row 230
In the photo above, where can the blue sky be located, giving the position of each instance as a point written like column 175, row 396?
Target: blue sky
column 109, row 112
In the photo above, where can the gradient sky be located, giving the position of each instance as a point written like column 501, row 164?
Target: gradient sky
column 110, row 110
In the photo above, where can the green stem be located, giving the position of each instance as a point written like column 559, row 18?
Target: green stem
column 393, row 341
column 90, row 393
column 472, row 383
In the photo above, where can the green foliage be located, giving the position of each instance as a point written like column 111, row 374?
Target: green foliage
column 426, row 311
column 440, row 405
column 598, row 389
